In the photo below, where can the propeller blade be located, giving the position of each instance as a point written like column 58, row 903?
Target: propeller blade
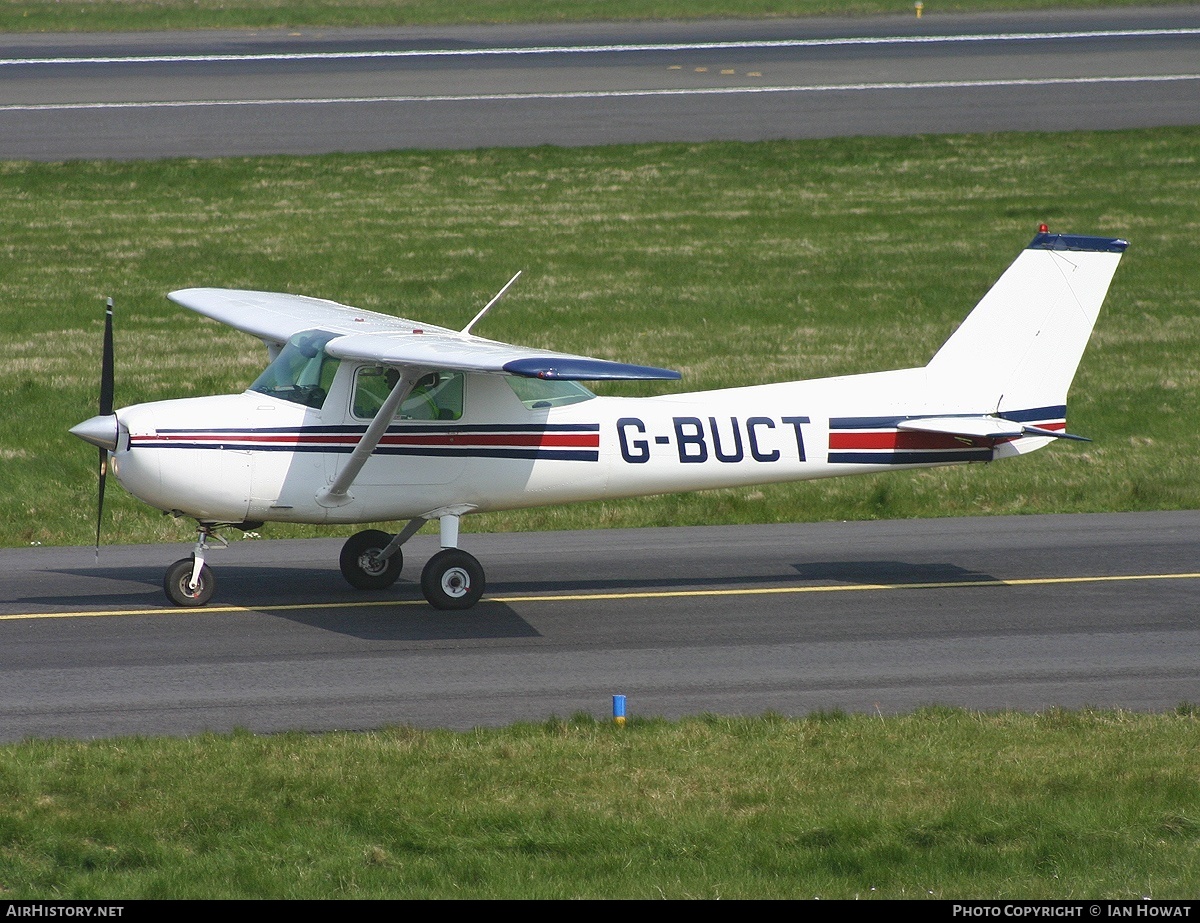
column 106, row 408
column 106, row 364
column 100, row 500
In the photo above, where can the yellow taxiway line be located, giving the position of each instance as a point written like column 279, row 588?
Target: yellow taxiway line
column 633, row 594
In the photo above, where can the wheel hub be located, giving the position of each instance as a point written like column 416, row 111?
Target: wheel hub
column 456, row 582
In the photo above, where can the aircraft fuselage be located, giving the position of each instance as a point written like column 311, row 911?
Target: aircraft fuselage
column 253, row 457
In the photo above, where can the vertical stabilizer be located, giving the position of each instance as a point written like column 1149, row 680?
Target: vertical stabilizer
column 1019, row 349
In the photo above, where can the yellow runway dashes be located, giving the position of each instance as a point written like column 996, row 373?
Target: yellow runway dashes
column 629, row 594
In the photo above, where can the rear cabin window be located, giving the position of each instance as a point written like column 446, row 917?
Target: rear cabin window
column 542, row 394
column 437, row 396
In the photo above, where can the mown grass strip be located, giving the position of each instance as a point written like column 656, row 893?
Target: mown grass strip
column 940, row 804
column 151, row 15
column 736, row 263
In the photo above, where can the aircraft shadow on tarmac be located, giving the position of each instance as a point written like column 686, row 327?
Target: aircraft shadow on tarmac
column 323, row 602
column 252, row 586
column 256, row 586
column 887, row 572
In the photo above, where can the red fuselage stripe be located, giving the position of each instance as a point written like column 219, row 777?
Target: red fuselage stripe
column 522, row 440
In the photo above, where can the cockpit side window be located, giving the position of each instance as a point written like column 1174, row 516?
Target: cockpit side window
column 437, row 396
column 542, row 394
column 302, row 372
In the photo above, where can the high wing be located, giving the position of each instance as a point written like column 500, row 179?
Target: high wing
column 369, row 336
column 275, row 318
column 474, row 354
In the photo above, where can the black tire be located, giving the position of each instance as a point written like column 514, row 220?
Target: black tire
column 452, row 579
column 177, row 584
column 359, row 566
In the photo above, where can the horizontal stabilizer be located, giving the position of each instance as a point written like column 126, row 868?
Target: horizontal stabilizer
column 982, row 427
column 1038, row 431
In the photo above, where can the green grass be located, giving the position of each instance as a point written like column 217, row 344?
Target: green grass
column 941, row 804
column 131, row 15
column 736, row 263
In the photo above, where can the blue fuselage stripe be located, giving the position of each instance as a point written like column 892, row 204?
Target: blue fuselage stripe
column 908, row 458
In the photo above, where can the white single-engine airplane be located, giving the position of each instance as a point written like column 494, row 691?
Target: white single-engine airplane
column 363, row 417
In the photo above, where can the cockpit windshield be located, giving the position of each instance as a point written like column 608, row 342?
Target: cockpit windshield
column 302, row 372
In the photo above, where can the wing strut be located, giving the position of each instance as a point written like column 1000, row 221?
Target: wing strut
column 336, row 493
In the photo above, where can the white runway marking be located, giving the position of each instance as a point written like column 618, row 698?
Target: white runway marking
column 602, row 94
column 604, row 49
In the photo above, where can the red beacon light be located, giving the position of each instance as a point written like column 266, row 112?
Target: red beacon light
column 1043, row 229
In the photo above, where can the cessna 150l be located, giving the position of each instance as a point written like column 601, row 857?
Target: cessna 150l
column 363, row 417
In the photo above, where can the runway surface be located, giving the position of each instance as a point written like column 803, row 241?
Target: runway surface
column 210, row 94
column 984, row 613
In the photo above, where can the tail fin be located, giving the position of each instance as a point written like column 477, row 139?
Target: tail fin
column 1016, row 353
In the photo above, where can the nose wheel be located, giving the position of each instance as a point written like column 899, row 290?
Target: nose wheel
column 185, row 587
column 190, row 581
column 452, row 579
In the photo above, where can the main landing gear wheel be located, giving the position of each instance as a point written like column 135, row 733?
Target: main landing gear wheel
column 452, row 579
column 178, row 584
column 361, row 565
